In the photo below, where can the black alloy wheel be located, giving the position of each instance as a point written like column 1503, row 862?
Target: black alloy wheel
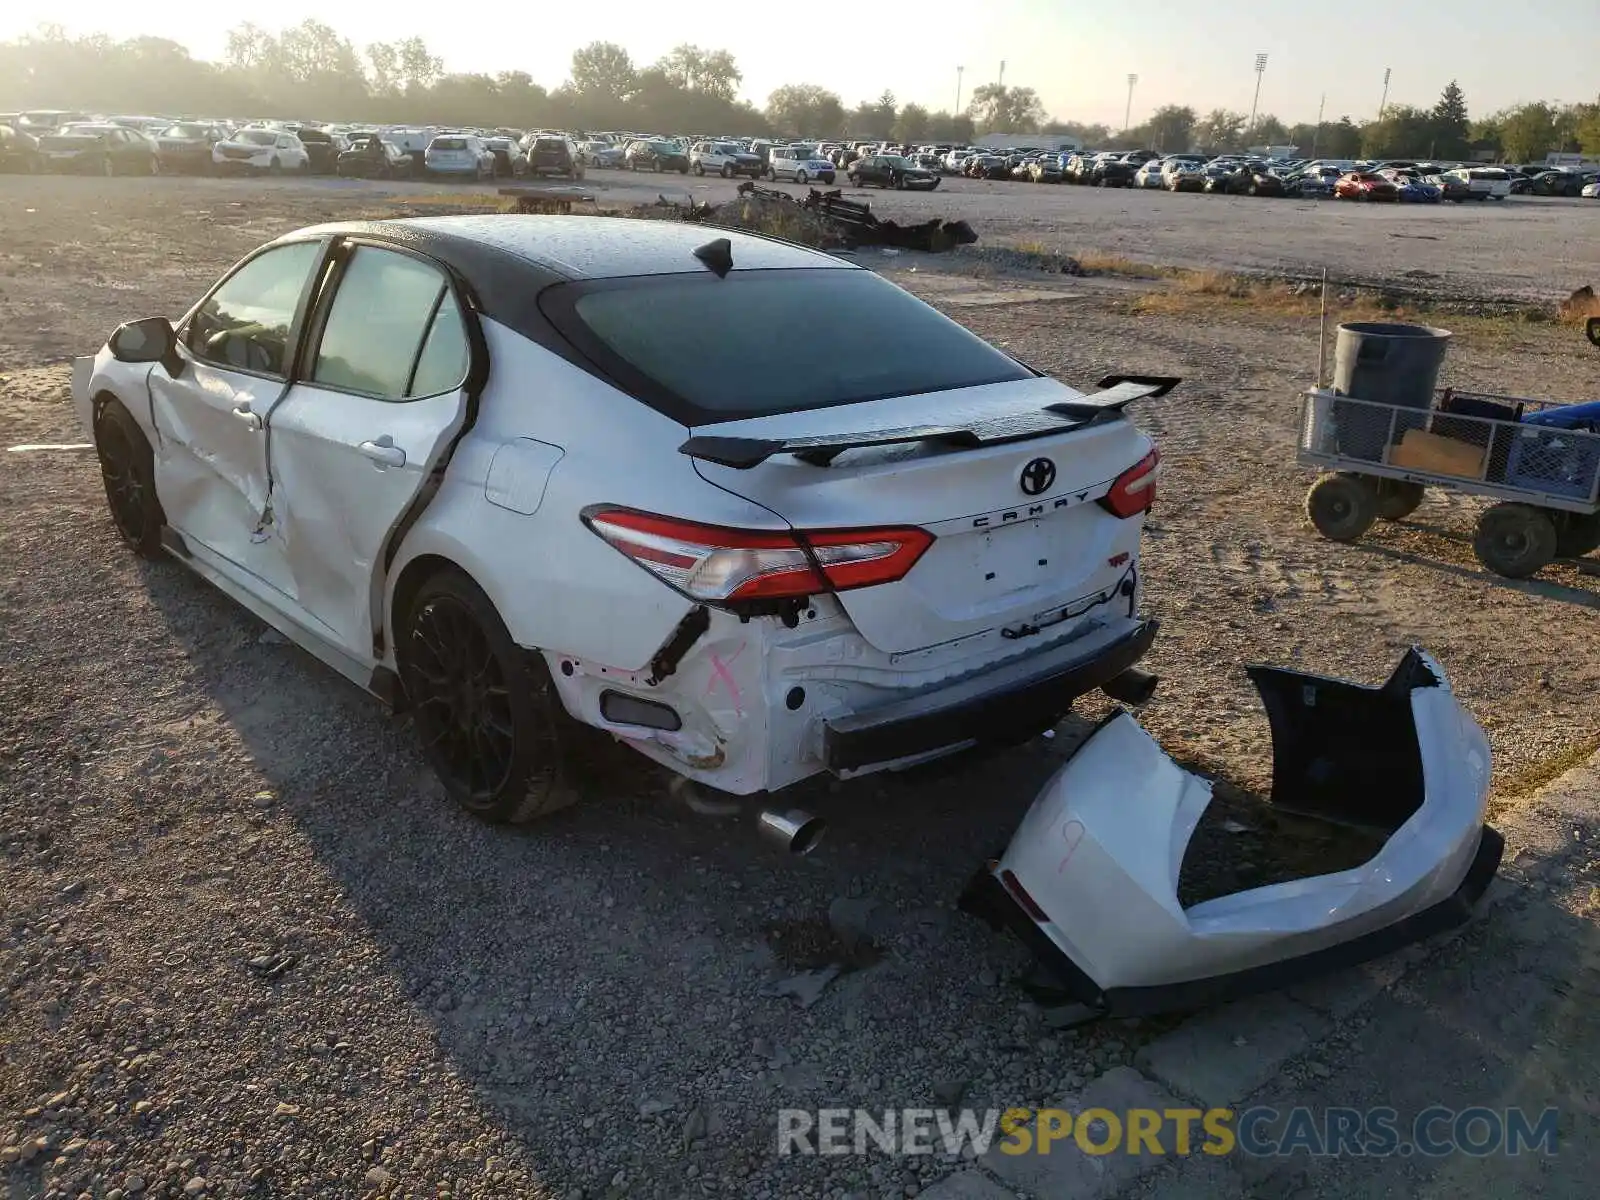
column 490, row 722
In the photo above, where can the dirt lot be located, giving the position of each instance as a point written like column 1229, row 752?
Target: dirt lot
column 244, row 940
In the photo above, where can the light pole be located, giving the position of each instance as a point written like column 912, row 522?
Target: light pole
column 1315, row 137
column 1127, row 113
column 958, row 90
column 1261, row 67
column 1001, row 82
column 1384, row 103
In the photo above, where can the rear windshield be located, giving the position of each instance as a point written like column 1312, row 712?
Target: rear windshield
column 256, row 137
column 449, row 143
column 701, row 348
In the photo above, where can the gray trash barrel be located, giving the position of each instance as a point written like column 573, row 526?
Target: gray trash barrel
column 1389, row 364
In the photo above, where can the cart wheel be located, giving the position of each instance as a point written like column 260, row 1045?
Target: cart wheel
column 1398, row 499
column 1577, row 534
column 1342, row 507
column 1515, row 540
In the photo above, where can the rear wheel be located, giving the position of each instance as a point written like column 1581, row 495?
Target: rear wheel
column 1342, row 507
column 1398, row 499
column 491, row 724
column 127, row 468
column 1515, row 540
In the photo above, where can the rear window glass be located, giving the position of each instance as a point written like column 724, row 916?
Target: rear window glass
column 449, row 143
column 256, row 137
column 700, row 348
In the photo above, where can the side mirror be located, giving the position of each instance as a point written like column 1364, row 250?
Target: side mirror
column 151, row 340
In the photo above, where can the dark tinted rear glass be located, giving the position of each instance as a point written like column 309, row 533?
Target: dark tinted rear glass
column 702, row 348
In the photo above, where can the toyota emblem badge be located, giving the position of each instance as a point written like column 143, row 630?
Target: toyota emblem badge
column 1037, row 476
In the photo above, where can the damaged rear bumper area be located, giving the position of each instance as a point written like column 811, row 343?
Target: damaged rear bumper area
column 1009, row 704
column 1093, row 876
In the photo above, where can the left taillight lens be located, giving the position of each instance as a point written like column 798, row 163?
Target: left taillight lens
column 720, row 565
column 1135, row 489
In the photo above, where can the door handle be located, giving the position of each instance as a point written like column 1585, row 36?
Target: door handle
column 242, row 411
column 385, row 452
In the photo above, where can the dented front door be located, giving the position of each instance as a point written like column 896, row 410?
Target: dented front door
column 358, row 438
column 211, row 457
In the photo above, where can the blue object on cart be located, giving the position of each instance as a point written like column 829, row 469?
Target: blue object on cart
column 1568, row 416
column 1553, row 460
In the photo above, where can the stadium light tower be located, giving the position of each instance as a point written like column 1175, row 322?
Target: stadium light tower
column 959, row 70
column 1127, row 113
column 1384, row 103
column 1261, row 69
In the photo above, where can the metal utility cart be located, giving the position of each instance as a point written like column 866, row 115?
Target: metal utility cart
column 1381, row 457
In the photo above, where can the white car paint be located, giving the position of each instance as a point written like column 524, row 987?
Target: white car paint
column 1100, row 850
column 722, row 158
column 259, row 149
column 460, row 154
column 289, row 499
column 785, row 162
column 1491, row 183
column 1149, row 175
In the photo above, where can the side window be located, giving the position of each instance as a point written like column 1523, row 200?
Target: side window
column 393, row 331
column 245, row 323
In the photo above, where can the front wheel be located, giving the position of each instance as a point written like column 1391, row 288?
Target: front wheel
column 1342, row 507
column 1515, row 540
column 727, row 171
column 491, row 724
column 772, row 176
column 801, row 178
column 127, row 468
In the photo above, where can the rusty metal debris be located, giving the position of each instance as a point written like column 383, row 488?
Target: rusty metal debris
column 554, row 201
column 823, row 219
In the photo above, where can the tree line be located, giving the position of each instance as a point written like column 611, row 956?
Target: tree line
column 311, row 71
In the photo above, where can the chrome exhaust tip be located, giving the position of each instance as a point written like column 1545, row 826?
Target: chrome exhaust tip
column 794, row 831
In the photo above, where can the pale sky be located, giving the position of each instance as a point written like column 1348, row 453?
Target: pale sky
column 1077, row 57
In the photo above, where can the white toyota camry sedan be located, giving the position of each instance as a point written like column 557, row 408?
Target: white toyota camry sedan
column 518, row 475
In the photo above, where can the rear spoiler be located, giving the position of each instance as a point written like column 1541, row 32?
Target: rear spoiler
column 743, row 453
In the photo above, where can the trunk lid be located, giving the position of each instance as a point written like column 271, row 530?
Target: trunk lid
column 1011, row 554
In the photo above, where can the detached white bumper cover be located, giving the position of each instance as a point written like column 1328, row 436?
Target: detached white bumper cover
column 1090, row 880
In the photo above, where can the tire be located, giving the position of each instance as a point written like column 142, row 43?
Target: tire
column 490, row 722
column 1515, row 540
column 1398, row 499
column 700, row 169
column 727, row 171
column 127, row 468
column 772, row 176
column 1577, row 534
column 1342, row 507
column 801, row 178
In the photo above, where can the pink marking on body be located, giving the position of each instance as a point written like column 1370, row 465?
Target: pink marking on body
column 1072, row 834
column 721, row 674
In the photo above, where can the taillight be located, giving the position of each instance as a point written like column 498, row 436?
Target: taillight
column 1135, row 489
column 720, row 565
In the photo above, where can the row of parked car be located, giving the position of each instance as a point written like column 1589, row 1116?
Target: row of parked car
column 1399, row 180
column 63, row 141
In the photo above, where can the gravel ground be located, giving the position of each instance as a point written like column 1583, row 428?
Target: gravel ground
column 246, row 947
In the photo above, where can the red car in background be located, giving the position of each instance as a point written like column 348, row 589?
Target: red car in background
column 1362, row 185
